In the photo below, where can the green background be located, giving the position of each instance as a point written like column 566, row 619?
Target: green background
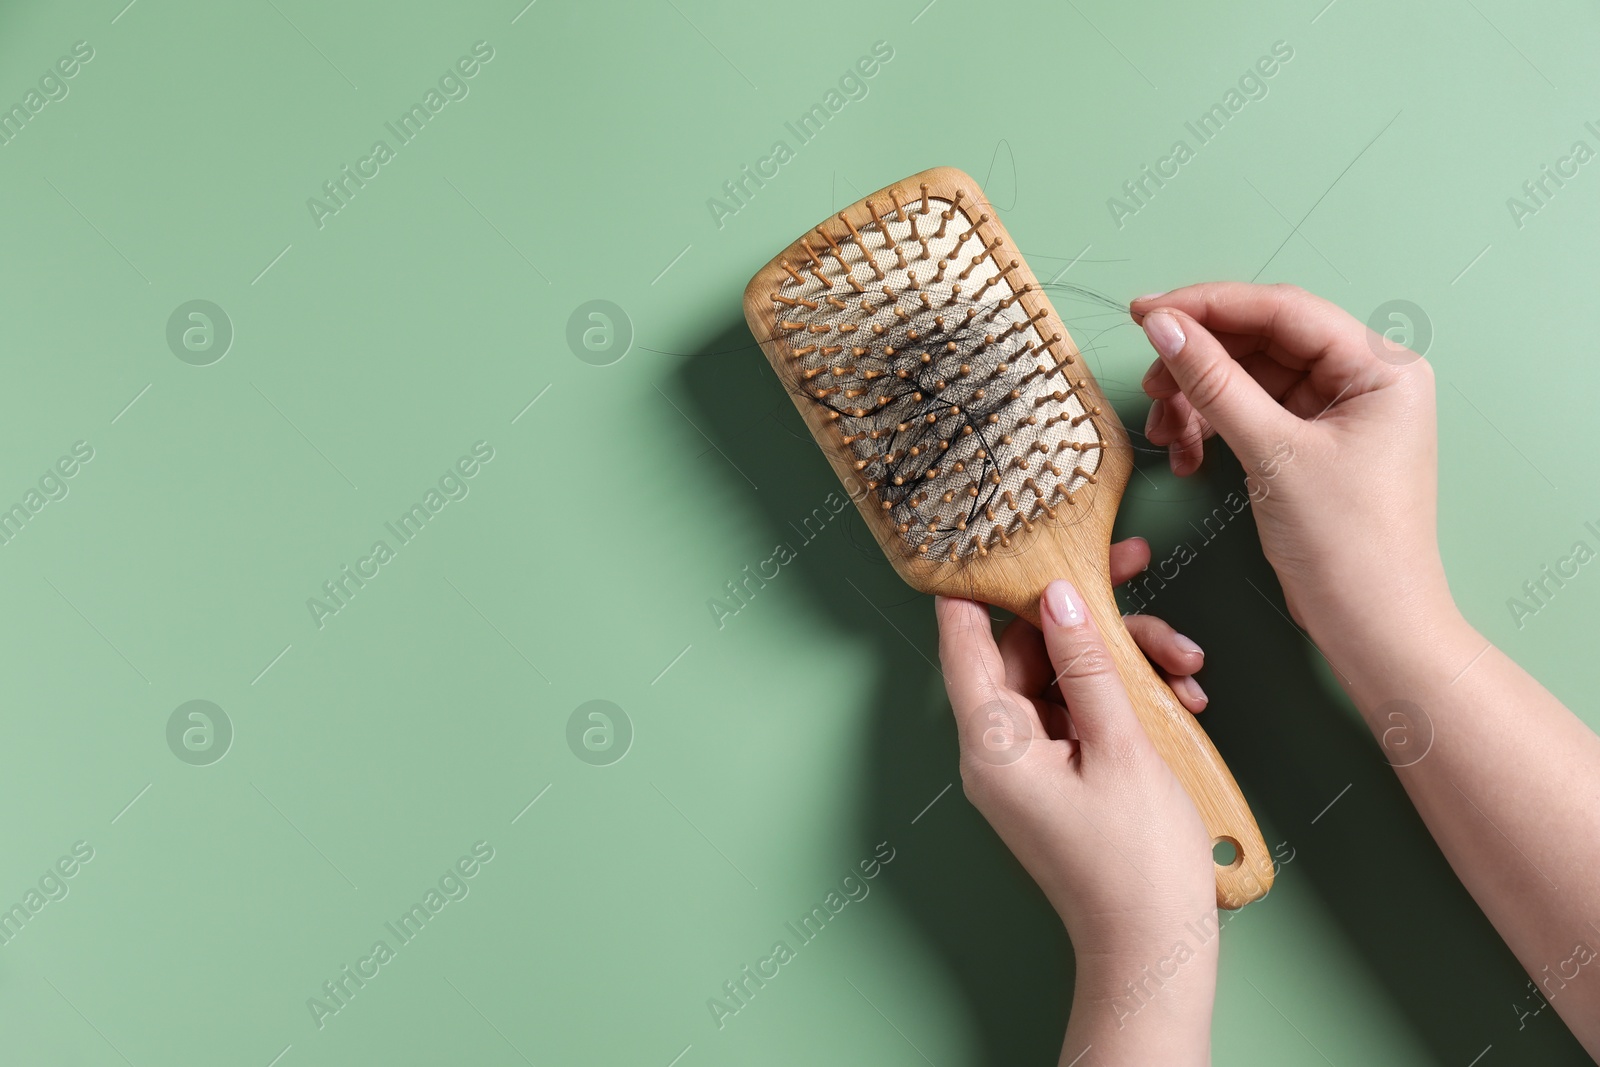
column 768, row 756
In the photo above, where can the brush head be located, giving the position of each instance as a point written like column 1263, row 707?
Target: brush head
column 936, row 375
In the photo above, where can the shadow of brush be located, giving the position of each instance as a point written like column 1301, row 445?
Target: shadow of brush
column 1317, row 779
column 979, row 915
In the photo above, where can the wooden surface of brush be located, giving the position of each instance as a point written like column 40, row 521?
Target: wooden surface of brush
column 983, row 456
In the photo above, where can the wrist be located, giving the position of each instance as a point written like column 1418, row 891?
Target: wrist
column 1399, row 655
column 1363, row 630
column 1151, row 1003
column 1121, row 1030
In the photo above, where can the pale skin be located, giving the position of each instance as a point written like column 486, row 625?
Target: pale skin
column 1338, row 426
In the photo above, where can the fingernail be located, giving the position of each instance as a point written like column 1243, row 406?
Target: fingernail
column 1152, row 420
column 1149, row 296
column 1061, row 603
column 1165, row 333
column 1195, row 692
column 1187, row 645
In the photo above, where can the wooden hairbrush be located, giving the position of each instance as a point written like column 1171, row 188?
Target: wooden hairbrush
column 984, row 458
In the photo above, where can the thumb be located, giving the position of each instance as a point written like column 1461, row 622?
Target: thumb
column 1222, row 391
column 1096, row 699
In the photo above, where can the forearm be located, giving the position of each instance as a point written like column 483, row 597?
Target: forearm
column 1508, row 782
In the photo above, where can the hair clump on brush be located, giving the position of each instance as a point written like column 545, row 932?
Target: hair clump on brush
column 944, row 389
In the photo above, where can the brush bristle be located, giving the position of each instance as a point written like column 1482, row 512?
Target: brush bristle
column 964, row 425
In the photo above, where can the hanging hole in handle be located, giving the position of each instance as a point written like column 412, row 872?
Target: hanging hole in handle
column 1226, row 853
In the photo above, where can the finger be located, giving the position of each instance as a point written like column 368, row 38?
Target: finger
column 973, row 670
column 1152, row 421
column 1275, row 377
column 1129, row 557
column 1166, row 647
column 1166, row 419
column 1182, row 431
column 1189, row 444
column 1302, row 331
column 1174, row 416
column 974, row 676
column 1157, row 382
column 1188, row 692
column 1085, row 671
column 1216, row 385
column 1026, row 663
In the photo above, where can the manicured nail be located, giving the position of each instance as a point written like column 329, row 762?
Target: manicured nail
column 1164, row 333
column 1186, row 644
column 1061, row 603
column 1196, row 694
column 1157, row 410
column 1149, row 296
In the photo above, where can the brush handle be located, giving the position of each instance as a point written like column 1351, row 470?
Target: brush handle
column 1184, row 746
